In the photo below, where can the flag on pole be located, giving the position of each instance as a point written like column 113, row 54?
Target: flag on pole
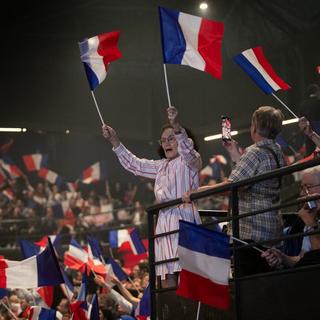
column 136, row 242
column 255, row 64
column 94, row 173
column 36, row 161
column 118, row 237
column 79, row 307
column 192, row 41
column 39, row 270
column 9, row 166
column 76, row 258
column 50, row 176
column 117, row 270
column 93, row 308
column 8, row 193
column 143, row 311
column 39, row 313
column 96, row 53
column 205, row 262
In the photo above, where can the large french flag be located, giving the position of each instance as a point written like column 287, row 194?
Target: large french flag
column 192, row 41
column 94, row 173
column 36, row 161
column 50, row 176
column 37, row 271
column 96, row 54
column 205, row 261
column 258, row 68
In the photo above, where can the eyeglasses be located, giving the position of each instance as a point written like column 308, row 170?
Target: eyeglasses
column 171, row 139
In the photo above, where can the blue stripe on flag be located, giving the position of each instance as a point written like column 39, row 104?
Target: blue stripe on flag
column 74, row 243
column 92, row 78
column 113, row 238
column 203, row 240
column 28, row 249
column 136, row 240
column 253, row 73
column 173, row 41
column 47, row 314
column 117, row 270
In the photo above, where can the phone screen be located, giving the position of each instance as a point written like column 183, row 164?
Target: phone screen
column 226, row 128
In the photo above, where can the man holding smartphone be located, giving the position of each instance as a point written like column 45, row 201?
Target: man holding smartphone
column 263, row 156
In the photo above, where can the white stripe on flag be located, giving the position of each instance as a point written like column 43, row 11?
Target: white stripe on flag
column 123, row 236
column 23, row 275
column 214, row 268
column 78, row 253
column 249, row 54
column 190, row 26
column 95, row 60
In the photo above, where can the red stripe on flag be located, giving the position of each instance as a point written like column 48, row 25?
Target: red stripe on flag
column 3, row 278
column 195, row 287
column 268, row 67
column 209, row 46
column 29, row 163
column 108, row 47
column 43, row 173
column 46, row 293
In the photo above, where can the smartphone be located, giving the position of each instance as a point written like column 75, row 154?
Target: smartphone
column 226, row 128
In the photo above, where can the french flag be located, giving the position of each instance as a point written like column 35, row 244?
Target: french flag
column 76, row 257
column 50, row 176
column 258, row 68
column 136, row 242
column 143, row 311
column 79, row 307
column 39, row 313
column 93, row 308
column 96, row 54
column 117, row 270
column 36, row 161
column 205, row 261
column 72, row 186
column 95, row 264
column 8, row 193
column 60, row 209
column 192, row 41
column 118, row 237
column 94, row 173
column 36, row 271
column 9, row 166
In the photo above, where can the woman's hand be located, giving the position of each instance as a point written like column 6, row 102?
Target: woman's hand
column 111, row 135
column 304, row 126
column 232, row 147
column 173, row 118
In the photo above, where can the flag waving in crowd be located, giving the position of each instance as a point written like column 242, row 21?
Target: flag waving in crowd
column 192, row 41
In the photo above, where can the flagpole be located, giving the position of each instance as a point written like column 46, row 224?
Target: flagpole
column 198, row 311
column 166, row 81
column 8, row 309
column 244, row 242
column 97, row 107
column 285, row 106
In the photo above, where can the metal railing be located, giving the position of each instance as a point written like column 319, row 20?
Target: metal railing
column 233, row 189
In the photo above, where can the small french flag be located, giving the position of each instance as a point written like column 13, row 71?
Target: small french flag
column 135, row 242
column 205, row 261
column 192, row 41
column 36, row 161
column 117, row 270
column 9, row 166
column 39, row 313
column 118, row 237
column 60, row 209
column 143, row 311
column 96, row 54
column 50, row 176
column 76, row 257
column 8, row 193
column 258, row 68
column 94, row 173
column 37, row 271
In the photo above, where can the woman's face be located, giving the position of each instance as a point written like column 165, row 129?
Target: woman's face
column 169, row 144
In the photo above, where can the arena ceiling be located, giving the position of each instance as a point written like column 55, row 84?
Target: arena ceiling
column 43, row 84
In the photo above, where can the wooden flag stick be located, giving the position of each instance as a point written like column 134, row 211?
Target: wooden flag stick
column 285, row 106
column 97, row 107
column 198, row 310
column 167, row 86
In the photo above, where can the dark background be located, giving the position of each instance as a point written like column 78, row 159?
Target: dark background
column 44, row 87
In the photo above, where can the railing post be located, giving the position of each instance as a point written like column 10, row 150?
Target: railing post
column 235, row 233
column 152, row 272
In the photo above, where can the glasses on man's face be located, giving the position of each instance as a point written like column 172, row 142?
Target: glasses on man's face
column 171, row 139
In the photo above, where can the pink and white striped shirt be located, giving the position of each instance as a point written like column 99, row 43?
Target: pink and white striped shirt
column 172, row 179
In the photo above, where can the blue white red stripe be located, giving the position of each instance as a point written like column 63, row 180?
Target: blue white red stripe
column 192, row 41
column 76, row 257
column 36, row 161
column 199, row 248
column 36, row 271
column 143, row 310
column 94, row 173
column 118, row 237
column 39, row 313
column 50, row 176
column 96, row 54
column 258, row 68
column 135, row 242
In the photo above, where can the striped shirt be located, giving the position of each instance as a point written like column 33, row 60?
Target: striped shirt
column 172, row 179
column 260, row 195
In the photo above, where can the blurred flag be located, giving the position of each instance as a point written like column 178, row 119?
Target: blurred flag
column 38, row 313
column 118, row 237
column 35, row 162
column 76, row 257
column 94, row 173
column 50, row 176
column 93, row 308
column 8, row 193
column 192, row 41
column 205, row 262
column 117, row 270
column 9, row 166
column 258, row 68
column 79, row 307
column 96, row 53
column 135, row 242
column 143, row 310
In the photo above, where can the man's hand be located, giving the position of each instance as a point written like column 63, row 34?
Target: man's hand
column 232, row 147
column 273, row 256
column 111, row 135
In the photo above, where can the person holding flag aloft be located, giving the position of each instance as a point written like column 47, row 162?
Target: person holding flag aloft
column 176, row 173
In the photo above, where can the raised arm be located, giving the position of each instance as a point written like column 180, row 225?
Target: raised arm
column 185, row 144
column 139, row 167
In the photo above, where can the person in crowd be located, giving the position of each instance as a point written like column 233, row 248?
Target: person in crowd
column 176, row 173
column 310, row 214
column 305, row 126
column 263, row 156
